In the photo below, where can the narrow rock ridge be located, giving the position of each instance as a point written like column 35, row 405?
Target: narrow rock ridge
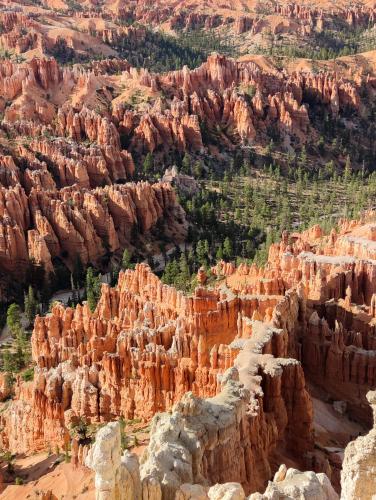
column 335, row 278
column 144, row 347
column 121, row 478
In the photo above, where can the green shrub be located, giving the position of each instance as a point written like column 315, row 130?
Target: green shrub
column 28, row 375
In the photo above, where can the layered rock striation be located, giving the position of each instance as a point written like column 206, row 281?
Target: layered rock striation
column 69, row 134
column 147, row 345
column 335, row 276
column 225, row 363
column 45, row 225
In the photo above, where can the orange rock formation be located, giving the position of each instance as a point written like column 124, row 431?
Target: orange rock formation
column 146, row 345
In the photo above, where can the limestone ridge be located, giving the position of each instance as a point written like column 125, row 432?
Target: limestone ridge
column 120, row 477
column 144, row 347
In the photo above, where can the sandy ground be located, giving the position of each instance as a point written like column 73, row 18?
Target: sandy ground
column 331, row 428
column 40, row 475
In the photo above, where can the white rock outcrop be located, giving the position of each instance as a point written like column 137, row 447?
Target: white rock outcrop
column 117, row 477
column 358, row 477
column 226, row 491
column 291, row 484
column 181, row 442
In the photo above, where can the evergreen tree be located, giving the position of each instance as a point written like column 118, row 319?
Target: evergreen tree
column 249, row 249
column 184, row 274
column 31, row 305
column 78, row 273
column 186, row 164
column 227, row 249
column 171, row 273
column 74, row 297
column 14, row 318
column 303, row 158
column 219, row 253
column 348, row 170
column 126, row 260
column 93, row 288
column 191, row 258
column 114, row 274
column 202, row 252
column 197, row 169
column 148, row 163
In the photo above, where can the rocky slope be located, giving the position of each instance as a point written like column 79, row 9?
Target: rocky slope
column 79, row 31
column 65, row 224
column 144, row 347
column 68, row 132
column 119, row 476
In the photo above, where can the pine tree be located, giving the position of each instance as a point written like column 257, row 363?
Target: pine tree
column 126, row 260
column 202, row 252
column 171, row 273
column 148, row 163
column 303, row 158
column 184, row 277
column 191, row 259
column 249, row 249
column 197, row 169
column 219, row 253
column 93, row 289
column 348, row 170
column 227, row 249
column 114, row 274
column 186, row 164
column 78, row 273
column 14, row 318
column 74, row 298
column 31, row 305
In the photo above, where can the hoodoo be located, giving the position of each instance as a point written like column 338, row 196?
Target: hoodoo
column 187, row 250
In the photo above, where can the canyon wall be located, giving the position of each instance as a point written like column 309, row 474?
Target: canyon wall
column 147, row 345
column 225, row 362
column 77, row 222
column 335, row 276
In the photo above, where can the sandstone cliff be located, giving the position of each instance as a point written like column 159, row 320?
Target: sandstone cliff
column 233, row 349
column 145, row 346
column 335, row 279
column 71, row 222
column 71, row 134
